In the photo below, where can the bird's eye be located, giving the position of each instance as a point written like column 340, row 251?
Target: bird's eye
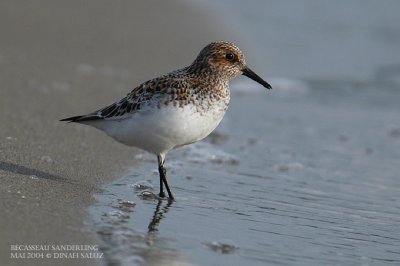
column 229, row 56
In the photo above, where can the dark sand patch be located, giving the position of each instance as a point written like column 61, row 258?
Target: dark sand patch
column 59, row 59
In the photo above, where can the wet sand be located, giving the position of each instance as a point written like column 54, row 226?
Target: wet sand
column 304, row 174
column 316, row 187
column 59, row 59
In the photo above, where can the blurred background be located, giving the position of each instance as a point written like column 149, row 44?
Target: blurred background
column 319, row 39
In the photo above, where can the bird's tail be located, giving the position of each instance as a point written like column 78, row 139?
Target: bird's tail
column 81, row 118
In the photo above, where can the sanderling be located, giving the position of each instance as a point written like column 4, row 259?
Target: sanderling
column 176, row 109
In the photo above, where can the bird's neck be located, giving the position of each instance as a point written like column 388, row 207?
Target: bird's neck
column 207, row 75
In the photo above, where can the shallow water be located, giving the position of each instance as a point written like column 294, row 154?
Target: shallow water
column 304, row 174
column 304, row 177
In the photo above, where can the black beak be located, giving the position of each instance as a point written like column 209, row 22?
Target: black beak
column 250, row 74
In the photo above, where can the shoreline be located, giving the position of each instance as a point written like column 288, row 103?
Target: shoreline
column 67, row 59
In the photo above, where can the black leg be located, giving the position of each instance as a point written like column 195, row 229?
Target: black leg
column 161, row 194
column 163, row 177
column 160, row 171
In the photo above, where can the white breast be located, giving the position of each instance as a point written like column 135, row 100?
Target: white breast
column 160, row 130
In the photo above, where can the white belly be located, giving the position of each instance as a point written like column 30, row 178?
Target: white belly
column 161, row 130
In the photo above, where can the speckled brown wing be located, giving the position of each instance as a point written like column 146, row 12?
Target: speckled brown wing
column 134, row 101
column 149, row 93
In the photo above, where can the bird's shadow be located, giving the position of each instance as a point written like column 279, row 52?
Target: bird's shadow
column 23, row 170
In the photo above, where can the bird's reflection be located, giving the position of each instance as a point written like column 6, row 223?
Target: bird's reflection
column 159, row 214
